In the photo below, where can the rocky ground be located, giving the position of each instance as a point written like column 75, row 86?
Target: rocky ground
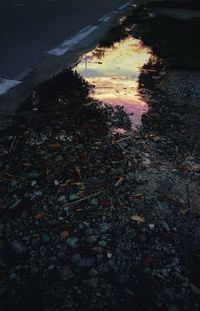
column 92, row 219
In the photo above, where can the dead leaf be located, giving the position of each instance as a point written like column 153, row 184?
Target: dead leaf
column 54, row 146
column 184, row 211
column 184, row 170
column 147, row 260
column 27, row 164
column 79, row 210
column 156, row 138
column 137, row 196
column 119, row 182
column 39, row 215
column 64, row 235
column 137, row 218
column 196, row 167
column 79, row 184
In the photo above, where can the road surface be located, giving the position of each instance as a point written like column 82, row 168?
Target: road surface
column 30, row 28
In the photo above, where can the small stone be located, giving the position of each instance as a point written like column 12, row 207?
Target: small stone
column 93, row 282
column 92, row 239
column 62, row 199
column 94, row 202
column 73, row 197
column 102, row 243
column 56, row 182
column 12, row 276
column 18, row 247
column 93, row 272
column 34, row 175
column 103, row 268
column 67, row 274
column 109, row 255
column 83, row 262
column 72, row 242
column 59, row 158
column 151, row 226
column 33, row 183
column 104, row 227
column 45, row 237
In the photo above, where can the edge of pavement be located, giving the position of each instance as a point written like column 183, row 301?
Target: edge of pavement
column 50, row 65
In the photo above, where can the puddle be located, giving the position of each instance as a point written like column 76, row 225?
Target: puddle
column 114, row 72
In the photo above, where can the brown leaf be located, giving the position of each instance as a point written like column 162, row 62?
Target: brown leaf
column 184, row 211
column 119, row 182
column 78, row 210
column 39, row 215
column 147, row 260
column 54, row 146
column 137, row 196
column 137, row 218
column 184, row 170
column 64, row 235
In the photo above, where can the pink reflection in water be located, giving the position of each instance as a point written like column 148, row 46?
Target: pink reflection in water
column 114, row 73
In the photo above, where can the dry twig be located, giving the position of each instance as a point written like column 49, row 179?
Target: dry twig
column 12, row 143
column 88, row 197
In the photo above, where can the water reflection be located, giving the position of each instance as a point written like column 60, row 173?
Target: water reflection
column 114, row 73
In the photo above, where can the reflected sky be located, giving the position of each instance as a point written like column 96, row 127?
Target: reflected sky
column 114, row 73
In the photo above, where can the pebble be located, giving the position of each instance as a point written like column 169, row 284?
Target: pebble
column 104, row 227
column 56, row 182
column 83, row 262
column 33, row 183
column 93, row 282
column 102, row 243
column 72, row 242
column 18, row 247
column 62, row 199
column 92, row 239
column 34, row 175
column 93, row 272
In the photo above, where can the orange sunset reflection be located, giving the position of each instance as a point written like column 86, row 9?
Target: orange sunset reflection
column 114, row 73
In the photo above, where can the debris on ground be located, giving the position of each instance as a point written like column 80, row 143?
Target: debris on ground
column 93, row 219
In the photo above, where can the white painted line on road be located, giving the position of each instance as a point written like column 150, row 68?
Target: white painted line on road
column 19, row 4
column 124, row 5
column 69, row 43
column 5, row 85
column 105, row 18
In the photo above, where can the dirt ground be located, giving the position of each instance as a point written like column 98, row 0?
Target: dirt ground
column 92, row 219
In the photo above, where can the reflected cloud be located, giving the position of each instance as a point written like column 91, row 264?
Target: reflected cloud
column 114, row 72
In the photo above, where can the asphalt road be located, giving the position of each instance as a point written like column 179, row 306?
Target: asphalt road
column 29, row 28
